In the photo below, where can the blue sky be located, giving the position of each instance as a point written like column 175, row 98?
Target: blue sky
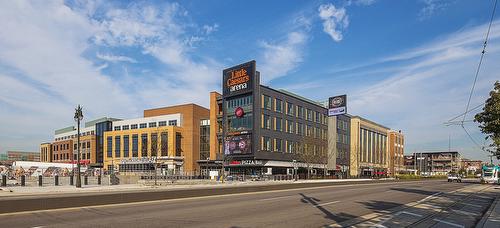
column 406, row 64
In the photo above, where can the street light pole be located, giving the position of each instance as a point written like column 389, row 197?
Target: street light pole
column 78, row 118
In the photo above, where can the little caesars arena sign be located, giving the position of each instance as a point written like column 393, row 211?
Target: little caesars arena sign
column 239, row 79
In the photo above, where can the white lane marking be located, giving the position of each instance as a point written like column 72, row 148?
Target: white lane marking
column 472, row 205
column 408, row 213
column 428, row 197
column 275, row 198
column 323, row 204
column 449, row 223
column 484, row 197
column 464, row 212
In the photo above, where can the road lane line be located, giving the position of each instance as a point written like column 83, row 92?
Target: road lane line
column 408, row 213
column 449, row 223
column 472, row 205
column 275, row 198
column 428, row 197
column 323, row 204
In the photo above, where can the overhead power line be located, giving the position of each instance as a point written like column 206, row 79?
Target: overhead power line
column 467, row 110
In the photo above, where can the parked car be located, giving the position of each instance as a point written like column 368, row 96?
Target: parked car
column 454, row 177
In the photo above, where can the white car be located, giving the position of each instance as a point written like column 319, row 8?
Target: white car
column 454, row 177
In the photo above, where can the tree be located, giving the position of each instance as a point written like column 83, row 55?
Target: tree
column 489, row 120
column 310, row 153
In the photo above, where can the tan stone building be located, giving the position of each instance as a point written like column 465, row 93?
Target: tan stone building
column 369, row 148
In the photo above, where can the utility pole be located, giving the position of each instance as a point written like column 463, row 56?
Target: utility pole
column 78, row 117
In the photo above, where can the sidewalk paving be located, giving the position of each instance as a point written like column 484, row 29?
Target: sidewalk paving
column 50, row 190
column 491, row 218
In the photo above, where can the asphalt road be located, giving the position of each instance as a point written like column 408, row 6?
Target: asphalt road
column 310, row 207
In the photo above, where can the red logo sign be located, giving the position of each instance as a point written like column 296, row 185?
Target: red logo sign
column 239, row 112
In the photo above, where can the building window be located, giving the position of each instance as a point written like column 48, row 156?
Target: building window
column 290, row 126
column 318, row 117
column 154, row 144
column 309, row 114
column 117, row 146
column 152, row 124
column 135, row 145
column 266, row 102
column 88, row 145
column 240, row 123
column 278, row 105
column 125, row 145
column 266, row 143
column 278, row 145
column 266, row 121
column 172, row 123
column 110, row 146
column 178, row 141
column 204, row 141
column 117, row 128
column 278, row 124
column 308, row 130
column 162, row 123
column 144, row 145
column 289, row 109
column 164, row 144
column 300, row 112
column 143, row 125
column 133, row 126
column 300, row 129
column 125, row 127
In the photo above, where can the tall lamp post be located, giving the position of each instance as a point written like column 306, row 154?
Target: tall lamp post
column 78, row 118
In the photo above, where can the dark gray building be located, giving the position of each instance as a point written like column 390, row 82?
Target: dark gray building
column 269, row 131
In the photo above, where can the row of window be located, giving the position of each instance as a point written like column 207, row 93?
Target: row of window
column 67, row 156
column 74, row 136
column 293, row 110
column 159, row 143
column 288, row 146
column 373, row 146
column 146, row 125
column 276, row 123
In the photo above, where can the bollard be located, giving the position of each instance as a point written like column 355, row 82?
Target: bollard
column 99, row 180
column 86, row 180
column 71, row 182
column 4, row 180
column 23, row 180
column 40, row 180
column 56, row 180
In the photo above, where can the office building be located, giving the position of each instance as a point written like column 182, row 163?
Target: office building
column 23, row 156
column 437, row 163
column 265, row 130
column 369, row 148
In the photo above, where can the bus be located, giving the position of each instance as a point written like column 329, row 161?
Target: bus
column 490, row 174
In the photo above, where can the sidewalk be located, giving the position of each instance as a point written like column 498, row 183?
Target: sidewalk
column 491, row 218
column 34, row 191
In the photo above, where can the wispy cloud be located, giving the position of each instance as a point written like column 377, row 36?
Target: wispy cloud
column 431, row 7
column 335, row 20
column 115, row 58
column 360, row 2
column 45, row 67
column 279, row 58
column 428, row 85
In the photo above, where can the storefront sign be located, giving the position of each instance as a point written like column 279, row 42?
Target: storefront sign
column 238, row 79
column 138, row 160
column 246, row 162
column 337, row 105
